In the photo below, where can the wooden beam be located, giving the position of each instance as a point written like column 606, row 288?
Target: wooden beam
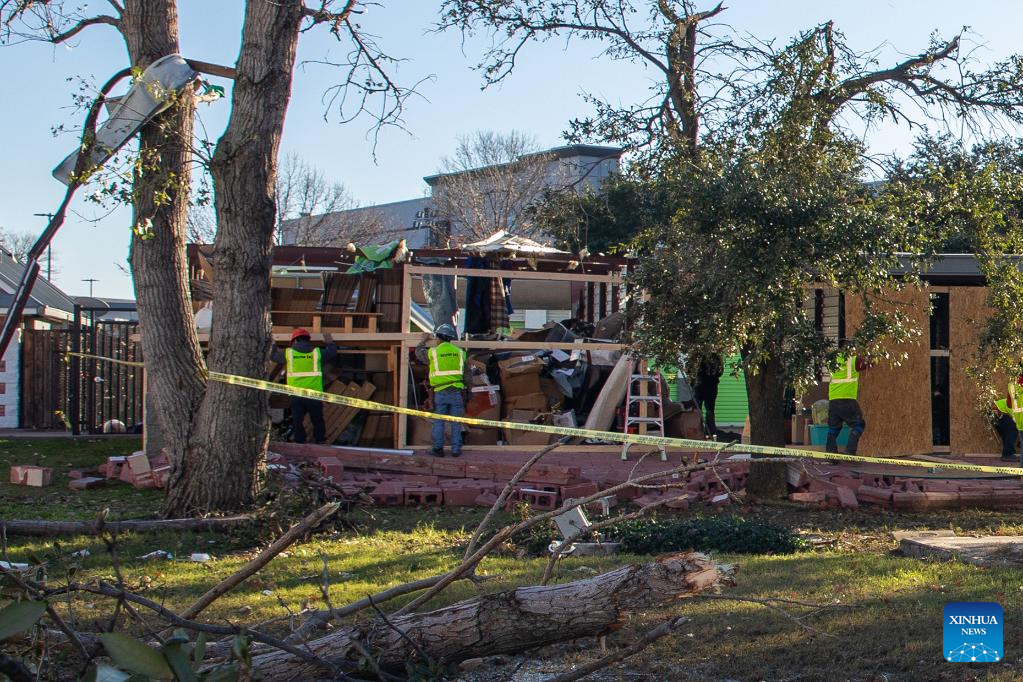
column 512, row 274
column 401, row 420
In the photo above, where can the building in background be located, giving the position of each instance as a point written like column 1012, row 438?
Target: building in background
column 47, row 308
column 464, row 206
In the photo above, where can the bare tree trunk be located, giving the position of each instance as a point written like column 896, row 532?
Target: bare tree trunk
column 507, row 622
column 231, row 429
column 158, row 263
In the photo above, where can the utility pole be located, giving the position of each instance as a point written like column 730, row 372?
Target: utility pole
column 91, row 281
column 49, row 247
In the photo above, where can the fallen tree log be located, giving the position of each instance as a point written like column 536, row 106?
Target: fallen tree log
column 506, row 622
column 46, row 528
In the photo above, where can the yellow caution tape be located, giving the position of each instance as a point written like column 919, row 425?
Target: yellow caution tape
column 574, row 432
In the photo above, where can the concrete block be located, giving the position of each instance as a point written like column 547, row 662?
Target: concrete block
column 87, row 483
column 847, row 482
column 679, row 502
column 139, row 464
column 450, row 467
column 18, row 474
column 388, row 494
column 904, row 500
column 34, row 476
column 413, row 480
column 942, row 500
column 423, row 496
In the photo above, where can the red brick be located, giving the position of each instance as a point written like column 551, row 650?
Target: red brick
column 388, row 494
column 484, row 470
column 139, row 463
column 845, row 481
column 38, row 477
column 847, row 498
column 419, row 479
column 810, row 498
column 909, row 500
column 678, row 502
column 445, row 466
column 87, row 483
column 940, row 487
column 975, row 498
column 1006, row 498
column 461, row 497
column 423, row 496
column 486, row 499
column 868, row 493
column 331, row 467
column 942, row 500
column 18, row 474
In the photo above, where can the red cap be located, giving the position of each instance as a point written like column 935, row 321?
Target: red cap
column 299, row 333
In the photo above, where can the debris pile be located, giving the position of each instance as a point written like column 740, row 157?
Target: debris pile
column 402, row 478
column 899, row 490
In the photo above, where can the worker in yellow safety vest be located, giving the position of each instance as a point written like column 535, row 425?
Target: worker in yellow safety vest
column 303, row 365
column 1010, row 420
column 449, row 377
column 843, row 406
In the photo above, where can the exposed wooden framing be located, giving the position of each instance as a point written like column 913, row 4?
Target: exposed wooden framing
column 512, row 274
column 401, row 421
column 590, row 303
column 602, row 293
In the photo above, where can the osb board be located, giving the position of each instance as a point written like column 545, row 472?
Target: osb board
column 896, row 400
column 970, row 431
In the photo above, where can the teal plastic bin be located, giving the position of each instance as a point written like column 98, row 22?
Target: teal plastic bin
column 819, row 435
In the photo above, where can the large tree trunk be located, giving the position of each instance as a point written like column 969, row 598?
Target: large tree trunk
column 508, row 622
column 158, row 264
column 766, row 392
column 220, row 469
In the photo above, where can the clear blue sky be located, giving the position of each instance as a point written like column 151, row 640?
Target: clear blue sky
column 540, row 98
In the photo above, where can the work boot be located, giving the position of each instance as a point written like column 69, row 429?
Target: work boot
column 832, row 444
column 456, row 454
column 854, row 439
column 437, row 452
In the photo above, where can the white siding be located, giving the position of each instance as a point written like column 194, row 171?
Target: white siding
column 10, row 378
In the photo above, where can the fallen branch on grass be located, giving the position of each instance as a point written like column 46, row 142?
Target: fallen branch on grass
column 294, row 533
column 48, row 528
column 648, row 638
column 507, row 622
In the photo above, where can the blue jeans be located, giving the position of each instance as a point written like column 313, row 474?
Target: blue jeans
column 448, row 401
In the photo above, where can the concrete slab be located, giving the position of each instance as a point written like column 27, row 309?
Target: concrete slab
column 994, row 550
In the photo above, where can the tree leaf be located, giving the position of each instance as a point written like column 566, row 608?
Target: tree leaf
column 133, row 655
column 177, row 654
column 199, row 652
column 20, row 616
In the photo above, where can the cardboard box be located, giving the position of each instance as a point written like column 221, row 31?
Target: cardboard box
column 520, row 375
column 515, row 437
column 533, row 402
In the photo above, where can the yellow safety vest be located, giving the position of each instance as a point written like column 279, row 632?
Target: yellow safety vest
column 845, row 380
column 1014, row 406
column 305, row 370
column 447, row 366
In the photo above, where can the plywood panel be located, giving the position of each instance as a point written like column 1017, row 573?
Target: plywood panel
column 896, row 400
column 971, row 431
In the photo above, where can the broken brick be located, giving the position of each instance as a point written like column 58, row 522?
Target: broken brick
column 847, row 498
column 461, row 497
column 809, row 497
column 331, row 467
column 486, row 499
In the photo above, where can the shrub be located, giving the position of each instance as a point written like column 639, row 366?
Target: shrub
column 721, row 533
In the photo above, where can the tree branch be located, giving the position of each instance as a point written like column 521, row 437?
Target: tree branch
column 58, row 38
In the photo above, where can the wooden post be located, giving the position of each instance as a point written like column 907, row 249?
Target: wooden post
column 401, row 421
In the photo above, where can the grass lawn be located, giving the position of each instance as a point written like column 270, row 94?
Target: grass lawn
column 888, row 626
